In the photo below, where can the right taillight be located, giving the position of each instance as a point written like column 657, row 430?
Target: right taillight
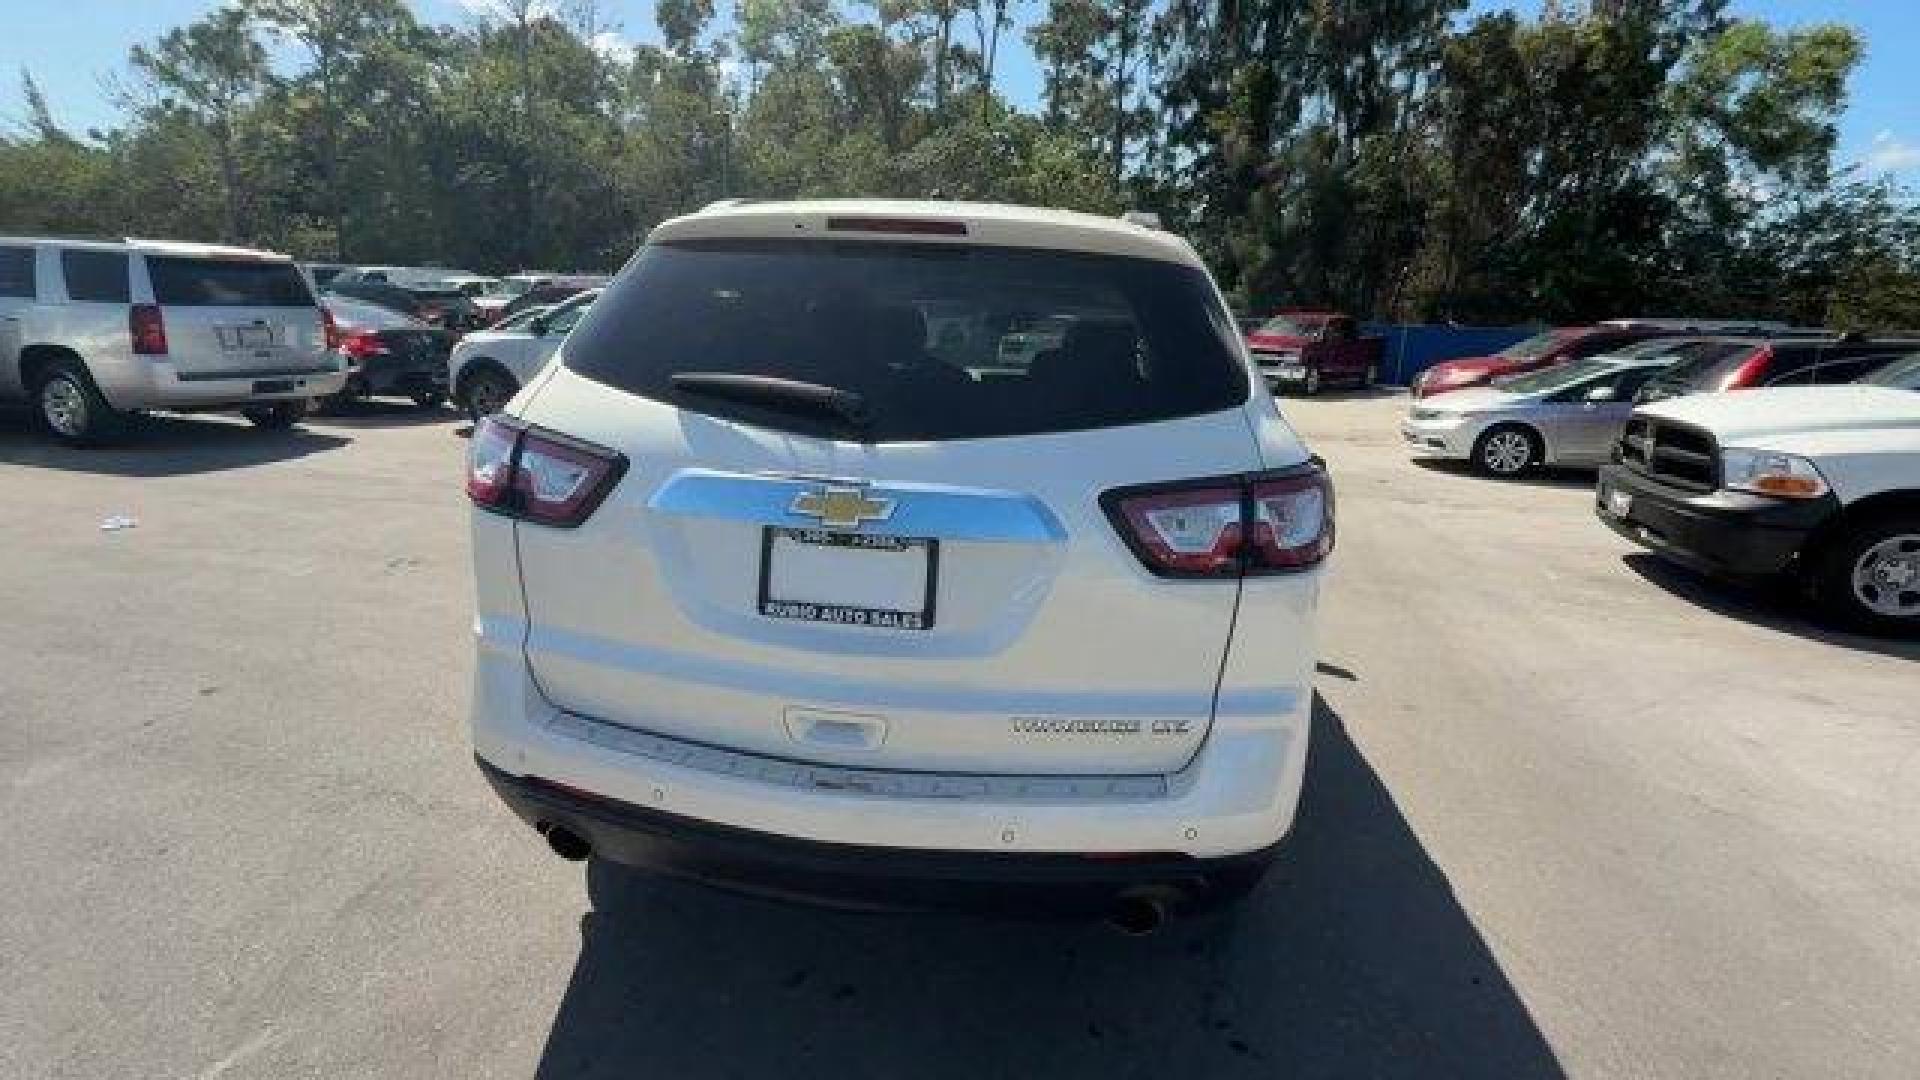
column 537, row 475
column 1228, row 527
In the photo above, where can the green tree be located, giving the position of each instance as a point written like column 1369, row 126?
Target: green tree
column 338, row 36
column 212, row 70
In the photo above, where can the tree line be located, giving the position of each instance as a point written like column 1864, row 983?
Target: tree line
column 1394, row 158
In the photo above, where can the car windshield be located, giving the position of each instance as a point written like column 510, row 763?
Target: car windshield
column 1537, row 345
column 1559, row 377
column 1708, row 368
column 1903, row 374
column 1281, row 326
column 356, row 315
column 916, row 332
column 521, row 318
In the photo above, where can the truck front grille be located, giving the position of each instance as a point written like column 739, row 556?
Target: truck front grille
column 1674, row 454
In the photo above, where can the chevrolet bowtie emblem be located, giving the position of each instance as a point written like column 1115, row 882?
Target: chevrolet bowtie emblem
column 841, row 508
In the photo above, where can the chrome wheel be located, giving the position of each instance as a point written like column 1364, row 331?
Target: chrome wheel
column 1506, row 452
column 1886, row 577
column 64, row 404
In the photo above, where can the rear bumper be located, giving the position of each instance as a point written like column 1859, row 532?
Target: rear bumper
column 858, row 876
column 1223, row 813
column 143, row 383
column 382, row 375
column 1726, row 533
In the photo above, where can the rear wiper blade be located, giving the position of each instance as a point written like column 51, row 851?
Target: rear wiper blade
column 786, row 394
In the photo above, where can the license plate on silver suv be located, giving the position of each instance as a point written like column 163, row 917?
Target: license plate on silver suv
column 246, row 337
column 851, row 579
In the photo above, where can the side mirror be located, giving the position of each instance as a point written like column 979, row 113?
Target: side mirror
column 1599, row 394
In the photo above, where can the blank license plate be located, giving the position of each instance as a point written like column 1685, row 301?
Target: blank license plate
column 848, row 578
column 246, row 337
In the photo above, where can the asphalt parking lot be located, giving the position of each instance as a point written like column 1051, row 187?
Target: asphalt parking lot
column 1569, row 812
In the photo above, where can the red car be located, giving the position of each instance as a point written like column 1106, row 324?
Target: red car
column 1556, row 346
column 1308, row 348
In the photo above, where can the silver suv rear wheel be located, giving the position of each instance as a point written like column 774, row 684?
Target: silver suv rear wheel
column 72, row 407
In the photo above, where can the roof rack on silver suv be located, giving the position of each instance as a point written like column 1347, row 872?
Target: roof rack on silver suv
column 1146, row 219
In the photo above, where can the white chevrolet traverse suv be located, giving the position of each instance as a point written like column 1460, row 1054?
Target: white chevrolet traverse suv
column 790, row 581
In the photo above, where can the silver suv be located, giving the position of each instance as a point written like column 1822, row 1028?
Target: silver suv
column 92, row 331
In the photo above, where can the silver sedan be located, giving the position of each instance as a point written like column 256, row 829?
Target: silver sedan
column 1565, row 415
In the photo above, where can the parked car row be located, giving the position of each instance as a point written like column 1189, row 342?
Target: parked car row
column 1793, row 458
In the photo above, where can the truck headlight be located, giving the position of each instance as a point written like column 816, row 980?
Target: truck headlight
column 1767, row 472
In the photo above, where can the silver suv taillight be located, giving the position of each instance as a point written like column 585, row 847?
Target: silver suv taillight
column 528, row 472
column 1228, row 527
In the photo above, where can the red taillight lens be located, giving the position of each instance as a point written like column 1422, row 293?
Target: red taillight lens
column 1750, row 371
column 1186, row 531
column 1271, row 523
column 359, row 344
column 329, row 330
column 148, row 328
column 538, row 475
column 1292, row 521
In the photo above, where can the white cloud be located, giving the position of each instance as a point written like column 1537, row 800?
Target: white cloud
column 1891, row 154
column 498, row 10
column 613, row 47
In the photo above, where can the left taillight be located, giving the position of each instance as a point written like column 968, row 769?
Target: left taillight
column 329, row 329
column 1267, row 523
column 148, row 328
column 528, row 472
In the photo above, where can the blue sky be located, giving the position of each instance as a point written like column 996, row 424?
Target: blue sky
column 74, row 48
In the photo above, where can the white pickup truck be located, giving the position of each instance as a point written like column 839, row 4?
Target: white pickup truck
column 1819, row 483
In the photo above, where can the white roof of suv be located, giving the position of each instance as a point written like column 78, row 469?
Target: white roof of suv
column 992, row 224
column 155, row 247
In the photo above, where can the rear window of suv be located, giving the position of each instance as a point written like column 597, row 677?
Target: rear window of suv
column 938, row 340
column 181, row 282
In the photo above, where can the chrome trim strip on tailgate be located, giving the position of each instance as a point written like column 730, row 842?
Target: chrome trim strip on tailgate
column 921, row 510
column 881, row 783
column 252, row 373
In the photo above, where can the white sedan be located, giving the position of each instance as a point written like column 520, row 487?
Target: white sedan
column 490, row 366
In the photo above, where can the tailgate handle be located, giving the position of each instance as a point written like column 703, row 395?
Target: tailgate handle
column 838, row 730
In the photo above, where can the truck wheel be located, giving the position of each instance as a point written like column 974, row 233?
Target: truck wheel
column 1869, row 578
column 278, row 416
column 72, row 407
column 1506, row 451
